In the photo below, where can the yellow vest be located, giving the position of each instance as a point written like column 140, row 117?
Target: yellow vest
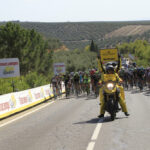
column 109, row 77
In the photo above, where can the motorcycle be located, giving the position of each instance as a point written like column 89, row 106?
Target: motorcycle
column 111, row 98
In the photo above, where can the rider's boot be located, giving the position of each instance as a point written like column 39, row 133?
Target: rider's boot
column 101, row 116
column 127, row 114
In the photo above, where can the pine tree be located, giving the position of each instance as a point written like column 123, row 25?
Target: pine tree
column 92, row 46
column 34, row 52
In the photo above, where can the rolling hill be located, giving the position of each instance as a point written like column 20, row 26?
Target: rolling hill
column 79, row 34
column 128, row 30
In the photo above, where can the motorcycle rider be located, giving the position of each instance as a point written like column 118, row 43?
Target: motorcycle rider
column 104, row 72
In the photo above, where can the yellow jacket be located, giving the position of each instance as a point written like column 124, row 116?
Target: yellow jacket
column 105, row 77
column 110, row 77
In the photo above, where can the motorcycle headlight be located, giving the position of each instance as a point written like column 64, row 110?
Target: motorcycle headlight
column 110, row 86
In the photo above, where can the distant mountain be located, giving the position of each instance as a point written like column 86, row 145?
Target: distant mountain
column 79, row 34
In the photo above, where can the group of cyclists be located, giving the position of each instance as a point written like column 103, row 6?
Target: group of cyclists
column 87, row 81
column 82, row 82
column 77, row 82
column 134, row 76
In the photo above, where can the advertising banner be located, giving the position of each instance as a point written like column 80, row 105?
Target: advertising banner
column 48, row 92
column 38, row 93
column 109, row 55
column 9, row 68
column 59, row 68
column 7, row 103
column 17, row 101
column 23, row 98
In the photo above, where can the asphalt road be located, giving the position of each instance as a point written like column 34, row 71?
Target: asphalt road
column 72, row 124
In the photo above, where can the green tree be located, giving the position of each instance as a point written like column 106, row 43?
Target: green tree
column 13, row 39
column 139, row 48
column 33, row 50
column 92, row 47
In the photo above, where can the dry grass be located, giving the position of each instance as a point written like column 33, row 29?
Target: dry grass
column 128, row 30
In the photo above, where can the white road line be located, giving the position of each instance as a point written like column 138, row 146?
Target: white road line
column 26, row 114
column 91, row 146
column 96, row 131
column 95, row 135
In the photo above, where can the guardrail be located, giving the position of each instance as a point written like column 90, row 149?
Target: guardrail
column 15, row 102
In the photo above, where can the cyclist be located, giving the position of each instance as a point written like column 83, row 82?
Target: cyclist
column 87, row 81
column 54, row 85
column 67, row 80
column 81, row 80
column 140, row 76
column 92, row 73
column 76, row 79
column 96, row 78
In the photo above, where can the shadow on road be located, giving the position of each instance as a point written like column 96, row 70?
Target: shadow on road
column 135, row 91
column 108, row 119
column 90, row 97
column 147, row 93
column 94, row 120
column 102, row 120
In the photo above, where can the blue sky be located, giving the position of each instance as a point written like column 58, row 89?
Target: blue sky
column 74, row 10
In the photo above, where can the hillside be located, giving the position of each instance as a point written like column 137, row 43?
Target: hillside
column 79, row 34
column 128, row 30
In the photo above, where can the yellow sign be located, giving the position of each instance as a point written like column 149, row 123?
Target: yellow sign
column 109, row 55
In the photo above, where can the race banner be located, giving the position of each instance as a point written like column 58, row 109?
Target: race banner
column 5, row 103
column 59, row 68
column 18, row 101
column 48, row 92
column 109, row 55
column 9, row 67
